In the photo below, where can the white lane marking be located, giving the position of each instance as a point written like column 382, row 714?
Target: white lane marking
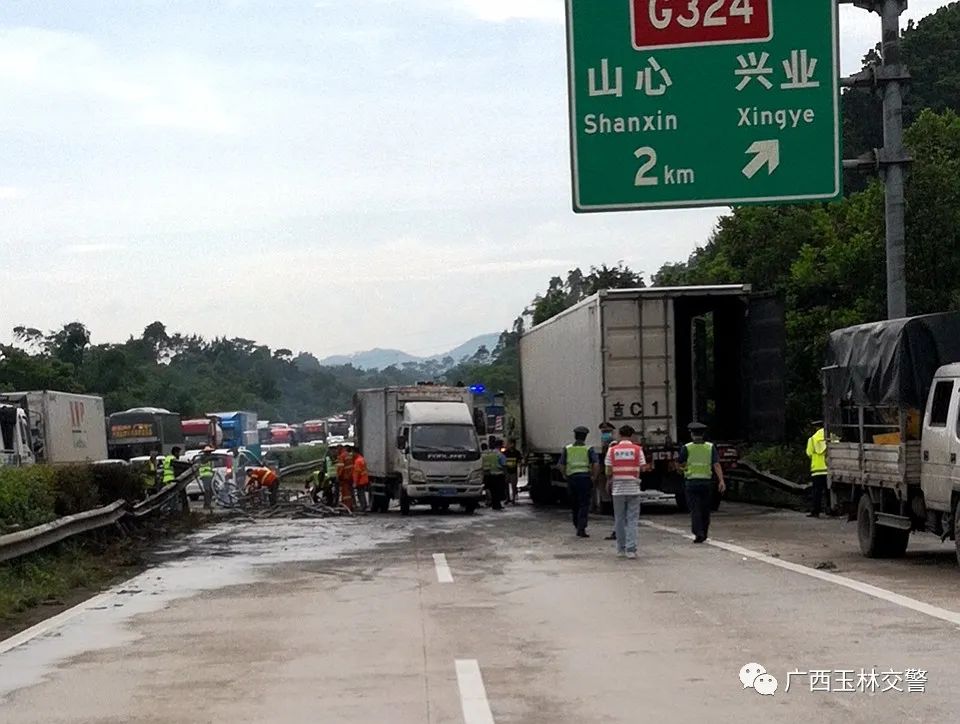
column 52, row 624
column 865, row 588
column 443, row 570
column 473, row 694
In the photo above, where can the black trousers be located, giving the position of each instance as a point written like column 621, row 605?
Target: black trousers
column 699, row 501
column 580, row 488
column 819, row 492
column 496, row 484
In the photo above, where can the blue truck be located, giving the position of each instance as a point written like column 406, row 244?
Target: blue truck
column 239, row 430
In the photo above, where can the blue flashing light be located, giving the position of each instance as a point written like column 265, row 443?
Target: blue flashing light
column 478, row 389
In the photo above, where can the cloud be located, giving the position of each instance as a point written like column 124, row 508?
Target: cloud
column 499, row 11
column 10, row 193
column 92, row 248
column 170, row 90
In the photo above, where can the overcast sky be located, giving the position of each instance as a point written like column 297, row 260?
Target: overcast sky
column 325, row 176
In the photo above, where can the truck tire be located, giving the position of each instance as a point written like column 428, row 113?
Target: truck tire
column 470, row 508
column 404, row 503
column 868, row 532
column 878, row 541
column 381, row 504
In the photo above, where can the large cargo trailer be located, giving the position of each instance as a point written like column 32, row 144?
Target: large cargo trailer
column 62, row 427
column 656, row 359
column 421, row 446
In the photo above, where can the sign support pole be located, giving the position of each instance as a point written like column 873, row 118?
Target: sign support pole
column 892, row 161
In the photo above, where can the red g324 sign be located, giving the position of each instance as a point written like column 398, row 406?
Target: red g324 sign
column 673, row 23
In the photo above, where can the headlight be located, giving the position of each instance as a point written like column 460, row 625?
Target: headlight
column 476, row 478
column 418, row 476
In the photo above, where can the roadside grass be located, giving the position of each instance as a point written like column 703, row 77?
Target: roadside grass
column 41, row 584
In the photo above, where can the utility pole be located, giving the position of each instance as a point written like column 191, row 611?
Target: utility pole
column 891, row 161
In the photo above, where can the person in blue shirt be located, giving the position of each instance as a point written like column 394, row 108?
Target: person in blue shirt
column 579, row 465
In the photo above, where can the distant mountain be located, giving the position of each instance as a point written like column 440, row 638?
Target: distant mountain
column 378, row 359
column 371, row 359
column 468, row 349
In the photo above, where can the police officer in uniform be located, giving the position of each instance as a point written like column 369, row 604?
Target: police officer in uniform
column 700, row 462
column 579, row 465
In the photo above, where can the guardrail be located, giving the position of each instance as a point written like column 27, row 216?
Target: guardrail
column 34, row 539
column 306, row 467
column 22, row 542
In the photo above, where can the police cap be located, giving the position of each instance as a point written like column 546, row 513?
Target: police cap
column 581, row 432
column 697, row 427
column 606, row 427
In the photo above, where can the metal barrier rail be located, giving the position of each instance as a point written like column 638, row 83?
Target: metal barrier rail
column 306, row 467
column 30, row 540
column 33, row 539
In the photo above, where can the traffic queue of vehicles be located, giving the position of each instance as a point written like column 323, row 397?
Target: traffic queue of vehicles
column 656, row 359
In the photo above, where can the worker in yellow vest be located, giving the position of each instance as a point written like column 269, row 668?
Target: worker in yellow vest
column 817, row 452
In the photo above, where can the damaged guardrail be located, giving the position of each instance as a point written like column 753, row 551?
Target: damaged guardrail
column 22, row 542
column 33, row 539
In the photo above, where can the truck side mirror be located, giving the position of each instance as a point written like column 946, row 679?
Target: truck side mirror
column 401, row 442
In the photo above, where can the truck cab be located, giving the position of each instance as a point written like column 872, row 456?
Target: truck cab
column 439, row 455
column 940, row 442
column 16, row 447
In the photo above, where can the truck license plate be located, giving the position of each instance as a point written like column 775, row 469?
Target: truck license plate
column 448, row 491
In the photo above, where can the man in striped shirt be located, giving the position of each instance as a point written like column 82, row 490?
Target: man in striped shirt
column 624, row 463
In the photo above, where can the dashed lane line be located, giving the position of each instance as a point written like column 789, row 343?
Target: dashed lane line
column 473, row 694
column 443, row 570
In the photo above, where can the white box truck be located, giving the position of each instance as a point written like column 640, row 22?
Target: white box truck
column 656, row 359
column 59, row 427
column 421, row 446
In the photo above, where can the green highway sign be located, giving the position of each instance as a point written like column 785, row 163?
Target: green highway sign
column 677, row 103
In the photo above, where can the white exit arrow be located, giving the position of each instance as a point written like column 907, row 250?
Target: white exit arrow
column 767, row 154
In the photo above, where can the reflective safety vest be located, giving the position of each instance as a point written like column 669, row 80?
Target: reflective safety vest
column 817, row 452
column 626, row 458
column 578, row 460
column 699, row 461
column 491, row 463
column 168, row 475
column 331, row 469
column 205, row 470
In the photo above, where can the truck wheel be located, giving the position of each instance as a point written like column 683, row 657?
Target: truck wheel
column 404, row 503
column 868, row 532
column 381, row 503
column 470, row 508
column 681, row 498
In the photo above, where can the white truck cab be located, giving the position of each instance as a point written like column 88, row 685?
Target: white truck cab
column 421, row 446
column 940, row 441
column 16, row 447
column 439, row 454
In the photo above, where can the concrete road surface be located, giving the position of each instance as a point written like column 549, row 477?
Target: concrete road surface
column 505, row 618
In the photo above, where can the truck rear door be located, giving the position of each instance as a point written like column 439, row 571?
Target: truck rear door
column 765, row 370
column 940, row 444
column 638, row 365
